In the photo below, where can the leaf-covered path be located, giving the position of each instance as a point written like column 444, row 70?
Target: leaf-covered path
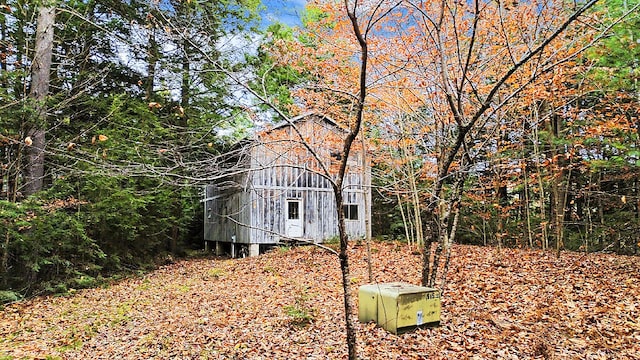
column 508, row 304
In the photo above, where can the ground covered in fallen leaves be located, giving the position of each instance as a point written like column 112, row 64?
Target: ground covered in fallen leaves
column 497, row 304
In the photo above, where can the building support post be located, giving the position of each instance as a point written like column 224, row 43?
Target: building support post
column 254, row 249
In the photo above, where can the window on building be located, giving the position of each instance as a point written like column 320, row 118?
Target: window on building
column 350, row 211
column 293, row 210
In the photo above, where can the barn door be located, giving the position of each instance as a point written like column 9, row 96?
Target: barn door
column 294, row 219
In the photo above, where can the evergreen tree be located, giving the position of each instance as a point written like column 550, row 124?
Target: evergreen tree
column 135, row 101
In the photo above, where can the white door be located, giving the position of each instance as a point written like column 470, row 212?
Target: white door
column 294, row 219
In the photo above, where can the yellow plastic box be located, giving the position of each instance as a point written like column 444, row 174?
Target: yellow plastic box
column 398, row 307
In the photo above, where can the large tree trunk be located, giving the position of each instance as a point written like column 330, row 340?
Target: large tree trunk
column 40, row 77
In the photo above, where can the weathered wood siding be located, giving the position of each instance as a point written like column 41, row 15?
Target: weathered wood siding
column 284, row 169
column 281, row 168
column 225, row 213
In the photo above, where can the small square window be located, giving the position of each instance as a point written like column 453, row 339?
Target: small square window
column 350, row 211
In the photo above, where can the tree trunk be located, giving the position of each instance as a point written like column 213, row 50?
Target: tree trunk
column 337, row 189
column 152, row 60
column 13, row 174
column 501, row 204
column 637, row 194
column 601, row 234
column 453, row 230
column 557, row 189
column 406, row 222
column 185, row 87
column 40, row 78
column 4, row 41
column 366, row 195
column 416, row 208
column 559, row 181
column 413, row 189
column 544, row 241
column 344, row 267
column 5, row 257
column 433, row 236
column 526, row 205
column 20, row 42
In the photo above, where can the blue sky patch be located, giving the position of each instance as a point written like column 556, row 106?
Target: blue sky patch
column 285, row 11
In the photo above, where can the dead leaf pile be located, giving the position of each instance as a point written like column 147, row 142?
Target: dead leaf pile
column 507, row 304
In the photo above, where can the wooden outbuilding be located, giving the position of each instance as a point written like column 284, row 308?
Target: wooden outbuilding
column 280, row 191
